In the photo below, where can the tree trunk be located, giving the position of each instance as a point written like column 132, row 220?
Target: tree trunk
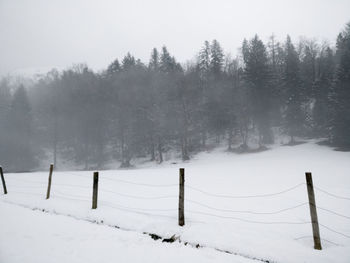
column 230, row 138
column 152, row 148
column 160, row 150
column 203, row 139
column 184, row 149
column 55, row 141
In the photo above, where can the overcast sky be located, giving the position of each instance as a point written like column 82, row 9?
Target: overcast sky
column 57, row 33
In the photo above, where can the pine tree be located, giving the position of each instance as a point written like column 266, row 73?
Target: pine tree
column 21, row 150
column 308, row 74
column 292, row 91
column 204, row 60
column 322, row 92
column 203, row 66
column 258, row 78
column 128, row 62
column 341, row 97
column 168, row 63
column 154, row 62
column 216, row 59
column 5, row 132
column 114, row 67
column 276, row 64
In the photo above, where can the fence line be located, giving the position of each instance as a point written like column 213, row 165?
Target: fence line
column 141, row 184
column 192, row 201
column 139, row 197
column 26, row 187
column 135, row 211
column 246, row 212
column 190, row 187
column 334, row 231
column 244, row 196
column 330, row 194
column 126, row 181
column 139, row 209
column 250, row 221
column 323, row 239
column 332, row 212
column 26, row 181
column 74, row 199
column 72, row 195
column 26, row 193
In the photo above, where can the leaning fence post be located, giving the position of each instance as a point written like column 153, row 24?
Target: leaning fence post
column 182, row 197
column 313, row 211
column 95, row 191
column 3, row 181
column 49, row 183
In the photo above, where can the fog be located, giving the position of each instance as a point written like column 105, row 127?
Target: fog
column 155, row 81
column 41, row 34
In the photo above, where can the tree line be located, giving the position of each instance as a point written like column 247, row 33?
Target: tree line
column 135, row 109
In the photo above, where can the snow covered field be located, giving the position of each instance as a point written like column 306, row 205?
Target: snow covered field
column 251, row 205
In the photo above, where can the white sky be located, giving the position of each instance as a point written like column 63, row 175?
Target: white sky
column 58, row 33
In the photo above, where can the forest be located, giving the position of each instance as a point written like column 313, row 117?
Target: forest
column 135, row 109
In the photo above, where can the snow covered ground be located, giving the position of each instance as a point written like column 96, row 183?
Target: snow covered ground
column 252, row 205
column 28, row 236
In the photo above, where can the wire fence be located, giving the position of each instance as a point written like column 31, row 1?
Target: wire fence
column 226, row 214
column 243, row 196
column 330, row 194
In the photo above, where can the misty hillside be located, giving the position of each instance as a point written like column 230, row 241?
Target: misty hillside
column 147, row 109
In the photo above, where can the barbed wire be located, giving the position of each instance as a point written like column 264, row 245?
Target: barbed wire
column 139, row 197
column 135, row 211
column 245, row 211
column 135, row 208
column 140, row 210
column 334, row 231
column 322, row 239
column 71, row 195
column 331, row 194
column 65, row 197
column 28, row 181
column 141, row 184
column 244, row 196
column 26, row 186
column 74, row 174
column 250, row 221
column 16, row 192
column 72, row 185
column 126, row 181
column 333, row 212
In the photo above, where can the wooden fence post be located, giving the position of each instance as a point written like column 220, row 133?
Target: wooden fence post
column 182, row 197
column 49, row 183
column 3, row 181
column 313, row 211
column 95, row 191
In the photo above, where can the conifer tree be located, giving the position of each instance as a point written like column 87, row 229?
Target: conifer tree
column 21, row 152
column 216, row 59
column 292, row 91
column 341, row 96
column 258, row 78
column 322, row 91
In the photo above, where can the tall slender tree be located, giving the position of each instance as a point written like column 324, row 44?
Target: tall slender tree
column 258, row 78
column 292, row 91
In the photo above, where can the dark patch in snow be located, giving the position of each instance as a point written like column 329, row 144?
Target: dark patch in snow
column 170, row 240
column 154, row 236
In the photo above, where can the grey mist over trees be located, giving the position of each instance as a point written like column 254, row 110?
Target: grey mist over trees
column 135, row 109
